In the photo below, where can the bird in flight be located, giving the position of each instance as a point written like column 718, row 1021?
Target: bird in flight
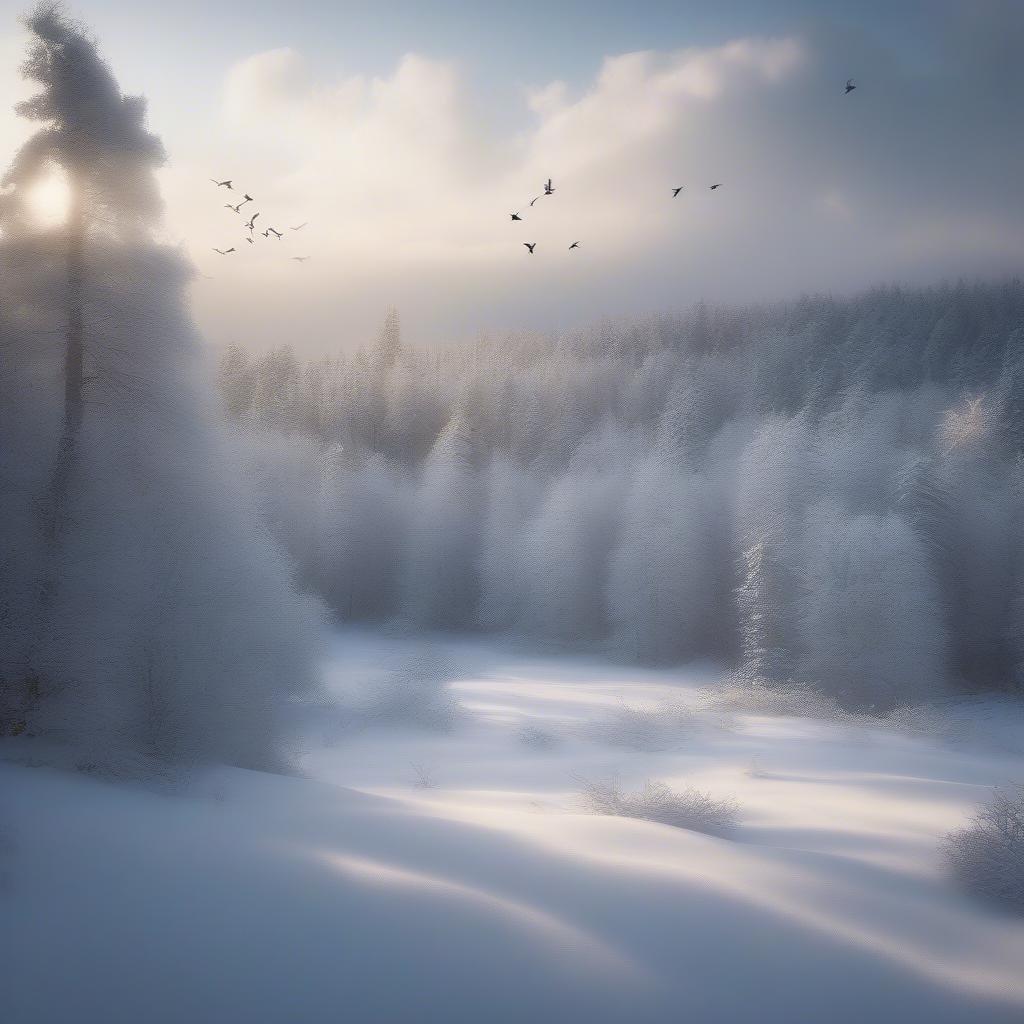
column 515, row 216
column 534, row 199
column 237, row 208
column 250, row 241
column 273, row 231
column 223, row 184
column 676, row 191
column 713, row 187
column 251, row 224
column 300, row 259
column 849, row 86
column 575, row 245
column 549, row 189
column 224, row 252
column 301, row 226
column 531, row 246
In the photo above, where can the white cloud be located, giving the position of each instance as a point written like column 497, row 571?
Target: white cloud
column 408, row 189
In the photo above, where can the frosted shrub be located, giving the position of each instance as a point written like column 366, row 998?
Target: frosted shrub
column 691, row 809
column 987, row 856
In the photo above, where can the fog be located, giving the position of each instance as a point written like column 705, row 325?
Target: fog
column 824, row 491
column 578, row 673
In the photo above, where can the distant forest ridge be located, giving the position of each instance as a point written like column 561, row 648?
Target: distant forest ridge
column 786, row 357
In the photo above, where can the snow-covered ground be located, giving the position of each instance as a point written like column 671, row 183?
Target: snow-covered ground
column 454, row 876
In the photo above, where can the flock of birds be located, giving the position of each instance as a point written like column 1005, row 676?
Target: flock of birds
column 549, row 188
column 250, row 224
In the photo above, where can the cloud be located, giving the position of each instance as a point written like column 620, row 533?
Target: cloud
column 275, row 84
column 408, row 187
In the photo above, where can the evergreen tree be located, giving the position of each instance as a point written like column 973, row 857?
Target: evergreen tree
column 96, row 138
column 167, row 628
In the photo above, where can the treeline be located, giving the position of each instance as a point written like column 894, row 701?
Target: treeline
column 828, row 491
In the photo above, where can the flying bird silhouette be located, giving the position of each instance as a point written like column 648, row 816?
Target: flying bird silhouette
column 531, row 246
column 713, row 187
column 676, row 191
column 265, row 234
column 223, row 184
column 250, row 241
column 300, row 259
column 277, row 234
column 224, row 252
column 849, row 87
column 515, row 216
column 549, row 189
column 237, row 208
column 534, row 199
column 575, row 245
column 251, row 224
column 301, row 226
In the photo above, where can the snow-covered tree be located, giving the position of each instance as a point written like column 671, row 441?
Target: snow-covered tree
column 510, row 498
column 661, row 590
column 870, row 623
column 440, row 586
column 588, row 458
column 167, row 627
column 777, row 482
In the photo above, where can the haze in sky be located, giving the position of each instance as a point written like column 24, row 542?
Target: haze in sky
column 406, row 134
column 661, row 668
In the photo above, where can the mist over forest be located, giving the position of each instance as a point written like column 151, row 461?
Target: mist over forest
column 666, row 668
column 826, row 491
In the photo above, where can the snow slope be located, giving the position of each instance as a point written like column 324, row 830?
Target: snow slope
column 417, row 876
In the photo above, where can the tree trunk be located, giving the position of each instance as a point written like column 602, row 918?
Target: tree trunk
column 73, row 368
column 53, row 510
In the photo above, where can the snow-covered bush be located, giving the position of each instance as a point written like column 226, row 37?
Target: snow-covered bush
column 987, row 856
column 689, row 808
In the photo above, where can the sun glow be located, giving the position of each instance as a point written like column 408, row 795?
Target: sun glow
column 50, row 200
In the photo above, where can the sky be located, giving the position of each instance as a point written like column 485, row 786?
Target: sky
column 406, row 133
